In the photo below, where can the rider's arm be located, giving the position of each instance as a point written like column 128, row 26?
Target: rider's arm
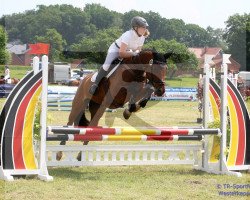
column 123, row 53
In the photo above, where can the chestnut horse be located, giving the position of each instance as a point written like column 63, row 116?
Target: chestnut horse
column 133, row 82
column 11, row 81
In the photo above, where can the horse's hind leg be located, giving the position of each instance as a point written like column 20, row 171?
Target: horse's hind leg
column 96, row 111
column 77, row 111
column 76, row 114
column 81, row 121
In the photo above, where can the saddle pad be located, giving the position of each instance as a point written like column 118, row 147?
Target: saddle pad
column 109, row 74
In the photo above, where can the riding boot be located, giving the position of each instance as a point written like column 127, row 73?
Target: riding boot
column 101, row 73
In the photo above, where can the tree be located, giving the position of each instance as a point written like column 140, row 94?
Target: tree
column 196, row 36
column 237, row 35
column 172, row 29
column 56, row 42
column 4, row 54
column 96, row 46
column 216, row 38
column 69, row 21
column 102, row 17
column 181, row 57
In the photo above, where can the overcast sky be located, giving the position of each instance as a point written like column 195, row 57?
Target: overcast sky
column 202, row 12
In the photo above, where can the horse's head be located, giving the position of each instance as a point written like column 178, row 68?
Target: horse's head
column 154, row 64
column 156, row 71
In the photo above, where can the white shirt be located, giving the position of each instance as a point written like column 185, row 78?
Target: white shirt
column 131, row 39
column 7, row 74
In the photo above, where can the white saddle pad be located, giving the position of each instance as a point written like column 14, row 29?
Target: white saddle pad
column 109, row 74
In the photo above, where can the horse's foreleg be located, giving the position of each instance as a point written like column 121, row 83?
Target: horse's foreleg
column 96, row 111
column 134, row 107
column 143, row 102
column 146, row 95
column 140, row 101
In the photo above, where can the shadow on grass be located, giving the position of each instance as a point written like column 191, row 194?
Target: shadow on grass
column 98, row 173
column 75, row 173
column 189, row 122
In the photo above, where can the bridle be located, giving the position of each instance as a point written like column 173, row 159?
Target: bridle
column 154, row 79
column 151, row 78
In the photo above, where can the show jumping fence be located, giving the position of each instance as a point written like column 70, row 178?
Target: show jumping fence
column 19, row 157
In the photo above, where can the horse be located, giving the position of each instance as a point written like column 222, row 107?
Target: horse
column 8, row 81
column 133, row 82
column 74, row 83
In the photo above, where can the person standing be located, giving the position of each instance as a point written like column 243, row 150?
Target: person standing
column 6, row 73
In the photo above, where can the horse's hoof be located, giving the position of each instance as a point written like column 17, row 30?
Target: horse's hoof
column 59, row 155
column 79, row 156
column 126, row 114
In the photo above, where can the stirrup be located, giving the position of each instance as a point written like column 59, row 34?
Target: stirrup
column 93, row 89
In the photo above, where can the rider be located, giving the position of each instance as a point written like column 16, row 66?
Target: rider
column 121, row 48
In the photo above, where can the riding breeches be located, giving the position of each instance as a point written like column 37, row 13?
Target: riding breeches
column 112, row 54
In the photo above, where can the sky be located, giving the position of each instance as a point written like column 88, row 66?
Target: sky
column 205, row 13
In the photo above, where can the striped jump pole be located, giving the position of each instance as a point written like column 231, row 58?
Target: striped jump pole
column 132, row 131
column 89, row 137
column 129, row 127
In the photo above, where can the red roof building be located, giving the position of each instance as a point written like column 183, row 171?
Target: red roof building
column 217, row 52
column 19, row 54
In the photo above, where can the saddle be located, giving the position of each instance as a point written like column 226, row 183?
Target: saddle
column 114, row 65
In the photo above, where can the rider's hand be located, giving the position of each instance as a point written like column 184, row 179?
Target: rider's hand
column 134, row 53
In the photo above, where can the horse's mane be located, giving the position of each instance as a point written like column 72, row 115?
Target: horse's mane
column 140, row 58
column 149, row 49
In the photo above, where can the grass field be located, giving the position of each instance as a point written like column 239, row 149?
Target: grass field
column 182, row 82
column 16, row 71
column 128, row 182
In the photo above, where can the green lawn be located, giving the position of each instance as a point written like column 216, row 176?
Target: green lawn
column 16, row 71
column 182, row 82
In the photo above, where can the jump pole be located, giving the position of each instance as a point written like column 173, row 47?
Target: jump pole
column 96, row 137
column 131, row 131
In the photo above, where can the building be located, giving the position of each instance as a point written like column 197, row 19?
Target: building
column 217, row 52
column 19, row 54
column 22, row 54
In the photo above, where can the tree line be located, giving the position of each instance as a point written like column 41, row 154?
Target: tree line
column 93, row 28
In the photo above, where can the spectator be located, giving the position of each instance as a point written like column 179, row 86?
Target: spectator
column 81, row 72
column 6, row 73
